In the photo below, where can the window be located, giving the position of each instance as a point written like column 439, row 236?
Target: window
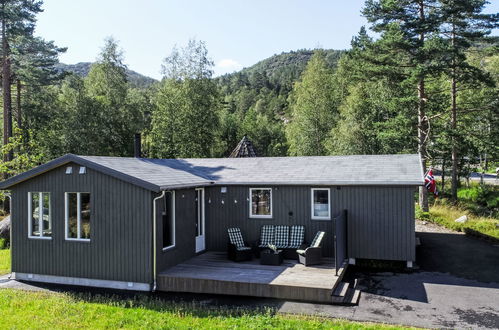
column 260, row 203
column 321, row 208
column 39, row 216
column 78, row 214
column 168, row 220
column 82, row 170
column 69, row 170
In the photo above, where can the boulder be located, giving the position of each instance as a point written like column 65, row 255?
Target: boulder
column 5, row 228
column 461, row 219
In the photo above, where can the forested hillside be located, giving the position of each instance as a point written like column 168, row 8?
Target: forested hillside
column 427, row 84
column 82, row 69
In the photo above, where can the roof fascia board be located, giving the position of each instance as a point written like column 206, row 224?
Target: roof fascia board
column 81, row 161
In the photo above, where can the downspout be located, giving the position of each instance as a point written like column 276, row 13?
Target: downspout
column 10, row 230
column 154, row 236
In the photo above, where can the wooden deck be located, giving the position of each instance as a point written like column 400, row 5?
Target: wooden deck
column 212, row 273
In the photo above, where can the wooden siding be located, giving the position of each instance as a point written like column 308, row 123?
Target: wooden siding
column 121, row 226
column 185, row 230
column 380, row 219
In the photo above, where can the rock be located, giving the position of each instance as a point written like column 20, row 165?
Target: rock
column 424, row 222
column 5, row 228
column 462, row 219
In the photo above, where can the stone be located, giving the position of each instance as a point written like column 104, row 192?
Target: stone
column 5, row 228
column 461, row 219
column 424, row 222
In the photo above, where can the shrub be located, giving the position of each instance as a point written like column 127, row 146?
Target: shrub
column 4, row 244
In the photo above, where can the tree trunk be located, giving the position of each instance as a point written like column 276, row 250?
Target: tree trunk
column 453, row 125
column 6, row 92
column 422, row 123
column 443, row 175
column 18, row 107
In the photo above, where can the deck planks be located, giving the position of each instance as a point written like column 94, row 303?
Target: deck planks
column 212, row 273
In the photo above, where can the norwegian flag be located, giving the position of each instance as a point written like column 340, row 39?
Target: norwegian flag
column 430, row 183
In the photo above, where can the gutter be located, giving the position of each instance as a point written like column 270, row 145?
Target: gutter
column 7, row 194
column 154, row 237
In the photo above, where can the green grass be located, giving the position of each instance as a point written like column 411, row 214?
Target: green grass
column 22, row 309
column 445, row 215
column 4, row 261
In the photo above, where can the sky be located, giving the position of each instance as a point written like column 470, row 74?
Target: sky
column 237, row 33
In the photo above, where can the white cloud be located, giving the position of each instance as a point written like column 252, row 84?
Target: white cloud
column 227, row 65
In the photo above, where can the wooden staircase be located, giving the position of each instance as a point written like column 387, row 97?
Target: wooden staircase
column 346, row 294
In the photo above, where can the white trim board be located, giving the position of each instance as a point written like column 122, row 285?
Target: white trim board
column 134, row 286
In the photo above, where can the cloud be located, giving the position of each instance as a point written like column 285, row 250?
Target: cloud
column 227, row 65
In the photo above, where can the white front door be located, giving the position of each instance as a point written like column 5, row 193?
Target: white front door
column 200, row 233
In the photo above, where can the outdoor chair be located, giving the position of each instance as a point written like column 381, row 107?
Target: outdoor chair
column 296, row 240
column 237, row 250
column 313, row 254
column 267, row 235
column 281, row 238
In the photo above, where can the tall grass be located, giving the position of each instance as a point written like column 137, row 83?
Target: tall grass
column 4, row 261
column 445, row 215
column 21, row 309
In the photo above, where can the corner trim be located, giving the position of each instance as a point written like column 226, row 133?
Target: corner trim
column 121, row 285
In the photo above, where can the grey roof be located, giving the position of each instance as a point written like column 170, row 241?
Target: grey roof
column 162, row 174
column 315, row 170
column 243, row 149
column 152, row 174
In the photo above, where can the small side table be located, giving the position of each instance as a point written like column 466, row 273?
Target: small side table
column 269, row 257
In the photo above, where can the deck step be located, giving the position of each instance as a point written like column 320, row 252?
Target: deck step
column 352, row 297
column 341, row 289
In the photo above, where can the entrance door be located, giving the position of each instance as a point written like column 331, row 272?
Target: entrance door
column 200, row 234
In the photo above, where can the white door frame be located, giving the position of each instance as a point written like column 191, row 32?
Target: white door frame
column 200, row 220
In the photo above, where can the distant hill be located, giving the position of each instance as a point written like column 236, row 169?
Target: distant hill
column 83, row 68
column 280, row 70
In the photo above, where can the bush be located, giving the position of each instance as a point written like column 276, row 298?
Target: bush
column 4, row 244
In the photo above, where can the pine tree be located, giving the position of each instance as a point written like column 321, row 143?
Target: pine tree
column 464, row 25
column 408, row 47
column 17, row 19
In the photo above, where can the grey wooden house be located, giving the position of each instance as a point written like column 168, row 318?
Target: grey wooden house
column 119, row 222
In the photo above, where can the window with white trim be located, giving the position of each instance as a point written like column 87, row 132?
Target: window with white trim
column 168, row 220
column 321, row 204
column 77, row 215
column 39, row 215
column 260, row 202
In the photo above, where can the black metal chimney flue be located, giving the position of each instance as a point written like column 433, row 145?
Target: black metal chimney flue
column 137, row 152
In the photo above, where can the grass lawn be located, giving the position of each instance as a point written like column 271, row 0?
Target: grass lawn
column 4, row 261
column 22, row 309
column 445, row 215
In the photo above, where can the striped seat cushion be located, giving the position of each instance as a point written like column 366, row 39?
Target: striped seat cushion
column 266, row 236
column 296, row 236
column 235, row 237
column 281, row 236
column 318, row 239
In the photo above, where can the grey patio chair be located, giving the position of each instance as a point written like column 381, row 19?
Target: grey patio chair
column 266, row 236
column 313, row 254
column 281, row 238
column 237, row 249
column 296, row 240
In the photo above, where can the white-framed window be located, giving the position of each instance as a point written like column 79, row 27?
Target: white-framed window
column 321, row 203
column 77, row 216
column 260, row 202
column 39, row 215
column 168, row 220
